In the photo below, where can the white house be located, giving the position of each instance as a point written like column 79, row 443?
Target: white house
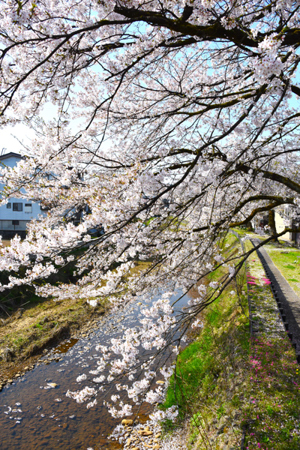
column 15, row 215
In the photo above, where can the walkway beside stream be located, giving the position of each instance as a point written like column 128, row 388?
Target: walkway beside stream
column 287, row 300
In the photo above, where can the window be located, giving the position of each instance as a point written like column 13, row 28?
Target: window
column 8, row 205
column 17, row 206
column 15, row 222
column 28, row 208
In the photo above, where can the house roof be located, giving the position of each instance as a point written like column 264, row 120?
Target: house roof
column 9, row 155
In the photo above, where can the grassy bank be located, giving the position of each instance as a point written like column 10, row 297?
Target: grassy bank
column 29, row 331
column 287, row 260
column 30, row 325
column 235, row 390
column 212, row 369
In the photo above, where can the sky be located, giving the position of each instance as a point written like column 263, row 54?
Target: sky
column 10, row 137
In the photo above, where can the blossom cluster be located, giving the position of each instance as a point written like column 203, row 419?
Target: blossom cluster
column 174, row 121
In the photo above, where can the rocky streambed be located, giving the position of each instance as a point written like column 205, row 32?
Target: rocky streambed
column 35, row 412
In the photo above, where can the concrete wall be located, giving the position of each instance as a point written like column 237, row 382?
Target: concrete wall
column 280, row 226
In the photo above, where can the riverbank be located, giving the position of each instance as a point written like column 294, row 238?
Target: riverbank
column 30, row 332
column 31, row 326
column 234, row 390
column 52, row 420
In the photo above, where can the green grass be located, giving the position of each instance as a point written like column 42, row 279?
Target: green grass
column 288, row 262
column 273, row 410
column 194, row 364
column 203, row 376
column 205, row 368
column 226, row 374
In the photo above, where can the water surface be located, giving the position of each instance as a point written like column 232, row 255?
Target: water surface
column 34, row 415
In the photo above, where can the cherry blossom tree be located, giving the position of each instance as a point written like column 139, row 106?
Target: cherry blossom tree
column 175, row 120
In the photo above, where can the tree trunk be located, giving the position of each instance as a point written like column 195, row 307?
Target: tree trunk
column 249, row 226
column 272, row 225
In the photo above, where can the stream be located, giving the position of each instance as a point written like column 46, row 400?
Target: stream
column 34, row 410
